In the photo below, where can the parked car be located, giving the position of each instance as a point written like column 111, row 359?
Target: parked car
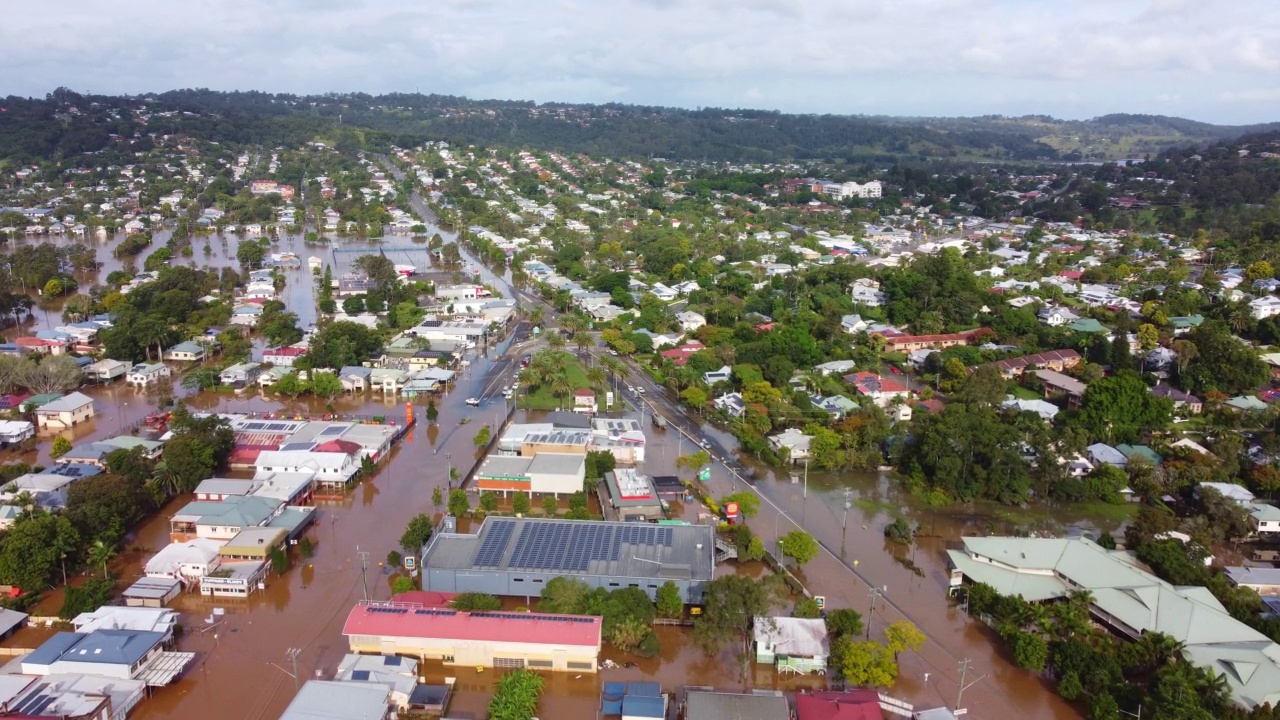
column 473, row 402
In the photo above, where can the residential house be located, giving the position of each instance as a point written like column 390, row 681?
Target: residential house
column 354, row 379
column 724, row 374
column 1104, row 454
column 797, row 645
column 853, row 704
column 1056, row 316
column 336, row 700
column 1183, row 402
column 759, row 705
column 881, row 390
column 15, row 431
column 1263, row 580
column 834, row 367
column 186, row 561
column 222, row 520
column 1184, row 325
column 144, row 374
column 329, row 467
column 388, row 381
column 853, row 324
column 393, row 671
column 1058, row 360
column 65, row 412
column 868, row 296
column 690, row 321
column 732, row 404
column 118, row 654
column 680, row 355
column 1055, row 383
column 1265, row 519
column 791, row 443
column 283, row 356
column 106, row 370
column 1264, row 307
column 1235, row 493
column 246, row 315
column 1046, row 410
column 187, row 351
column 907, row 343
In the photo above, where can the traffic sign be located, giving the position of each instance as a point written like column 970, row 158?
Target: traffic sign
column 704, row 474
column 821, row 600
column 410, row 562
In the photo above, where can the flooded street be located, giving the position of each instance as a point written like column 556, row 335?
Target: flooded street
column 241, row 668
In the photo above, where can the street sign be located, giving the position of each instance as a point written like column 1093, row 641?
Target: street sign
column 821, row 600
column 704, row 474
column 410, row 562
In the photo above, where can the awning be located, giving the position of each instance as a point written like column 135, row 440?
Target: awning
column 165, row 668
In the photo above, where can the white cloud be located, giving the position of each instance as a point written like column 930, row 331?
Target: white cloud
column 911, row 56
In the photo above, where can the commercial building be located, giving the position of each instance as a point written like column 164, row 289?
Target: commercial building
column 760, row 705
column 121, row 654
column 628, row 495
column 1128, row 600
column 517, row 556
column 569, row 643
column 545, row 474
column 336, row 700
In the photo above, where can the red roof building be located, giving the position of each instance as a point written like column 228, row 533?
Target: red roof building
column 908, row 343
column 856, row 704
column 680, row 355
column 477, row 639
column 338, row 446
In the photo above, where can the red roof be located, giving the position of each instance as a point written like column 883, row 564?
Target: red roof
column 868, row 383
column 289, row 351
column 680, row 355
column 406, row 622
column 584, row 392
column 847, row 705
column 908, row 339
column 338, row 446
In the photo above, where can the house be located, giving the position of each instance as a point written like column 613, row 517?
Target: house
column 144, row 374
column 835, row 366
column 106, row 370
column 793, row 442
column 758, row 705
column 336, row 700
column 732, row 404
column 1184, row 325
column 388, row 381
column 853, row 324
column 1058, row 360
column 1102, row 453
column 881, row 390
column 690, row 321
column 1182, row 401
column 1240, row 495
column 186, row 562
column 908, row 343
column 1046, row 410
column 1130, row 602
column 247, row 315
column 223, row 520
column 354, row 379
column 854, row 704
column 1265, row 519
column 15, row 431
column 724, row 374
column 65, row 412
column 797, row 645
column 283, row 356
column 482, row 639
column 584, row 398
column 398, row 673
column 1263, row 580
column 1087, row 325
column 187, row 351
column 328, row 467
column 1246, row 403
column 1055, row 383
column 119, row 654
column 89, row 697
column 863, row 295
column 1056, row 316
column 680, row 355
column 1264, row 307
column 118, row 617
column 241, row 374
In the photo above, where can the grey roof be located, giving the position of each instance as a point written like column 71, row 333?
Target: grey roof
column 557, row 463
column 734, row 706
column 66, row 403
column 579, row 547
column 111, row 647
column 335, row 700
column 1253, row 575
column 10, row 619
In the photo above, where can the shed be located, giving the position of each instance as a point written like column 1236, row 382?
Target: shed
column 152, row 592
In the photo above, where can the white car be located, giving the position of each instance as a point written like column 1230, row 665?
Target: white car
column 473, row 402
column 640, row 389
column 631, row 389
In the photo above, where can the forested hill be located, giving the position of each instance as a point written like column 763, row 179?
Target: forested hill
column 65, row 123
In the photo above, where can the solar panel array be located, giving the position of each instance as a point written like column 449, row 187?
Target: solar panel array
column 334, row 430
column 494, row 543
column 434, row 612
column 566, row 547
column 541, row 618
column 387, row 610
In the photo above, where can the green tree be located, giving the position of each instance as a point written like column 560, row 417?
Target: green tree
column 402, row 584
column 475, row 601
column 730, row 604
column 459, row 504
column 806, row 608
column 325, row 385
column 900, row 531
column 902, row 636
column 1069, row 686
column 100, row 554
column 799, row 546
column 864, row 663
column 694, row 397
column 1148, row 337
column 1260, row 270
column 520, row 503
column 61, row 446
column 748, row 502
column 516, row 695
column 549, row 506
column 488, row 501
column 279, row 560
column 1030, row 651
column 482, row 436
column 1119, row 408
column 437, row 496
column 417, row 533
column 432, row 411
column 844, row 622
column 1104, row 707
column 668, row 601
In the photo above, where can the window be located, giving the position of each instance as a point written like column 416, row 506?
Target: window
column 517, row 579
column 580, row 666
column 500, row 662
column 447, row 658
column 613, row 584
column 540, row 664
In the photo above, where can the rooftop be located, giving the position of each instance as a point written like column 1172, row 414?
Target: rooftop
column 578, row 547
column 335, row 700
column 735, row 706
column 440, row 623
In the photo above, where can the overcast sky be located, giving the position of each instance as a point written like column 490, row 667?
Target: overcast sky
column 1212, row 60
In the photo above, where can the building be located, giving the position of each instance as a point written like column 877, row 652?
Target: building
column 856, row 704
column 882, row 391
column 115, row 617
column 106, row 370
column 283, row 356
column 793, row 443
column 1182, row 401
column 120, row 654
column 760, row 705
column 545, row 474
column 151, row 592
column 567, row 643
column 186, row 562
column 1262, row 580
column 240, row 374
column 235, row 579
column 400, row 674
column 65, row 412
column 74, row 697
column 1058, row 360
column 187, row 351
column 333, row 468
column 517, row 556
column 630, row 496
column 1055, row 383
column 908, row 343
column 144, row 374
column 219, row 489
column 223, row 520
column 1129, row 601
column 336, row 700
column 15, row 431
column 1265, row 519
column 11, row 621
column 796, row 645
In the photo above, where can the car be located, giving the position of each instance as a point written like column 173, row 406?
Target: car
column 631, row 389
column 473, row 402
column 640, row 389
column 894, row 370
column 613, row 352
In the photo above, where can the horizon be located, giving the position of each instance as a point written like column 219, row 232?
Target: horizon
column 1069, row 59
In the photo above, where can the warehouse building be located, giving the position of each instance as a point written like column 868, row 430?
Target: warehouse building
column 631, row 496
column 569, row 643
column 545, row 474
column 517, row 556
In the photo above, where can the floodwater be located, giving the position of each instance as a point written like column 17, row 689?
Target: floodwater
column 241, row 669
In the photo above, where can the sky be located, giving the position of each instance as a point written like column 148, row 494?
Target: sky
column 1211, row 60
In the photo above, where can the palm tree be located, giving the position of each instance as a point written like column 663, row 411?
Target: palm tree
column 24, row 500
column 583, row 340
column 536, row 315
column 596, row 376
column 164, row 481
column 555, row 341
column 100, row 553
column 1240, row 318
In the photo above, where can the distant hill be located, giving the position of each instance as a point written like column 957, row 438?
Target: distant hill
column 65, row 122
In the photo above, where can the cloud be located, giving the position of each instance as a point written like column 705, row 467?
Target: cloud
column 910, row 56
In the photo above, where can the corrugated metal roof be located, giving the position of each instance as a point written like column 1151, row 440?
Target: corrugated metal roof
column 435, row 623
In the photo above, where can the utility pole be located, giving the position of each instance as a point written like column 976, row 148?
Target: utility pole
column 875, row 592
column 292, row 656
column 1137, row 715
column 364, row 567
column 964, row 668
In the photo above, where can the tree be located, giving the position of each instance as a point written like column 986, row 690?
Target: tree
column 864, row 663
column 668, row 601
column 1119, row 408
column 417, row 533
column 482, row 436
column 402, row 584
column 695, row 398
column 87, row 597
column 476, row 601
column 437, row 496
column 1148, row 337
column 693, row 461
column 61, row 446
column 1030, row 651
column 190, row 458
column 1069, row 686
column 748, row 502
column 844, row 621
column 32, row 550
column 730, row 604
column 599, row 462
column 1104, row 707
column 325, row 385
column 520, row 503
column 1260, row 270
column 806, row 608
column 100, row 553
column 516, row 694
column 52, row 375
column 549, row 506
column 459, row 504
column 901, row 636
column 799, row 546
column 900, row 531
column 432, row 411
